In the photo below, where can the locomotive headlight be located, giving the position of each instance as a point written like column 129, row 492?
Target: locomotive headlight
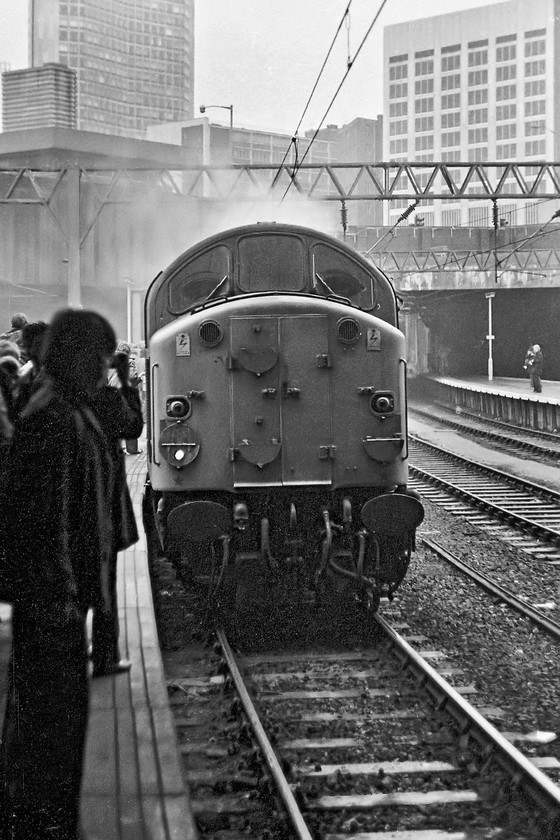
column 177, row 407
column 383, row 403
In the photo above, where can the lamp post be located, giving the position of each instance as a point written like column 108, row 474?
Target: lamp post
column 129, row 284
column 203, row 108
column 490, row 296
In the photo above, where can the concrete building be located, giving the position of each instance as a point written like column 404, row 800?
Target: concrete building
column 4, row 67
column 476, row 85
column 209, row 143
column 359, row 141
column 39, row 97
column 134, row 60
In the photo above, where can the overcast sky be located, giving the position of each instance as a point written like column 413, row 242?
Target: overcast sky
column 264, row 56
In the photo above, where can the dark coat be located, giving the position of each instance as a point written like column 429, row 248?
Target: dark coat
column 58, row 533
column 120, row 416
column 536, row 365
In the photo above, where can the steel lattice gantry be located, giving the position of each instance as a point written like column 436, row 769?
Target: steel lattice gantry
column 379, row 181
column 75, row 197
column 324, row 182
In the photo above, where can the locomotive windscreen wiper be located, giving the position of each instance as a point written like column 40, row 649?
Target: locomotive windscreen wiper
column 325, row 284
column 215, row 289
column 328, row 288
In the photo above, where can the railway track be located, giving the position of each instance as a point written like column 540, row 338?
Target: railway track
column 493, row 499
column 377, row 742
column 537, row 617
column 509, row 438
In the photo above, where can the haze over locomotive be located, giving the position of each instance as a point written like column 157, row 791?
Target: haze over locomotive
column 277, row 419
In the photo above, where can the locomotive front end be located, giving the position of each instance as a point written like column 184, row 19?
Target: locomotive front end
column 278, row 445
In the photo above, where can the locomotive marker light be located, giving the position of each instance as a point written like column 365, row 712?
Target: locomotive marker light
column 179, row 445
column 383, row 403
column 177, row 407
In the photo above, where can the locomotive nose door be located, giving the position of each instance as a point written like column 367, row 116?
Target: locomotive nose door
column 307, row 450
column 255, row 384
column 280, row 401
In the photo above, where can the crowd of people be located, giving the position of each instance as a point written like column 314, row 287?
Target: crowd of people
column 66, row 513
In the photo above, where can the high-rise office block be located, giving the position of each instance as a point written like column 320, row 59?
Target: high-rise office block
column 477, row 85
column 39, row 97
column 134, row 58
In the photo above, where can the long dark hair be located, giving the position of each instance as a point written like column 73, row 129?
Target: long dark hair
column 75, row 346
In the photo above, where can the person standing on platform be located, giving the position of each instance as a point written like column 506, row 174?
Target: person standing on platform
column 57, row 540
column 120, row 416
column 528, row 361
column 14, row 334
column 536, row 368
column 29, row 375
column 131, row 443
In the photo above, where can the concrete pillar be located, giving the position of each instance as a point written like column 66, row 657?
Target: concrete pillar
column 72, row 228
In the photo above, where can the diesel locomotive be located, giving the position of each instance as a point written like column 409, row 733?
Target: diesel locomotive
column 277, row 419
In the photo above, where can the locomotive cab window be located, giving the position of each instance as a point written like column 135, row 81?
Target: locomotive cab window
column 336, row 274
column 271, row 263
column 204, row 277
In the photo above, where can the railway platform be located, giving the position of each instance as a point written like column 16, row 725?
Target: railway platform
column 132, row 786
column 509, row 399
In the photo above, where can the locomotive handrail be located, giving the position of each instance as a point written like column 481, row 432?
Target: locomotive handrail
column 153, row 412
column 404, row 413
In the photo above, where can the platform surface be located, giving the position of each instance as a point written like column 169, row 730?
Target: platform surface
column 132, row 785
column 505, row 385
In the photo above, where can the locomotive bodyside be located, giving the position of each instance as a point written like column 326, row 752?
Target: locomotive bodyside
column 277, row 422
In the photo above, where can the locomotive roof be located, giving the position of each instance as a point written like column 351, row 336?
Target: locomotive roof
column 268, row 227
column 199, row 273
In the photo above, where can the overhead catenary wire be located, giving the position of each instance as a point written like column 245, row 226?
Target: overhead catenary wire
column 426, row 199
column 293, row 141
column 518, row 243
column 410, row 209
column 536, row 233
column 459, row 262
column 350, row 64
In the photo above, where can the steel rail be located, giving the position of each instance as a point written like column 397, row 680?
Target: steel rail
column 533, row 526
column 510, row 517
column 537, row 785
column 269, row 755
column 504, row 439
column 538, row 489
column 532, row 613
